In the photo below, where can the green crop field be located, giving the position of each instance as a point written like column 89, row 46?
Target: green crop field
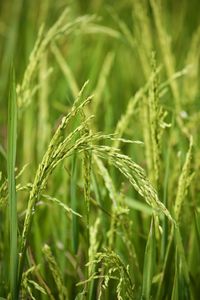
column 100, row 149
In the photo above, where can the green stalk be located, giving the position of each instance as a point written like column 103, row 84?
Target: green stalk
column 12, row 145
column 74, row 205
column 149, row 263
column 165, row 195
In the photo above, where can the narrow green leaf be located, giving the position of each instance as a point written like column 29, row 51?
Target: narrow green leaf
column 149, row 263
column 12, row 145
column 175, row 293
column 197, row 231
column 182, row 256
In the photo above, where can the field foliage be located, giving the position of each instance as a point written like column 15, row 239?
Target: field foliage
column 100, row 149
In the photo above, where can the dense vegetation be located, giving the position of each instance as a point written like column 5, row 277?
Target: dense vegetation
column 99, row 149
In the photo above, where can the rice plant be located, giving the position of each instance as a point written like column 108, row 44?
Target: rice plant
column 99, row 150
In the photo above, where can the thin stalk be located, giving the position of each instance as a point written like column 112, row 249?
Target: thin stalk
column 12, row 145
column 165, row 195
column 74, row 204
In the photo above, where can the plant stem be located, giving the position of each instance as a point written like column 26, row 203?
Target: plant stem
column 12, row 145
